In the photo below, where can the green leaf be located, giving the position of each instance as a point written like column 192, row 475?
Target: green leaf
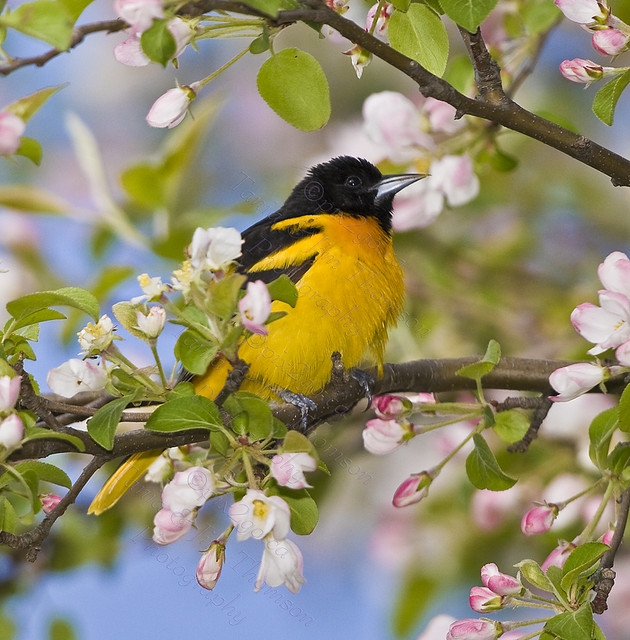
column 127, row 314
column 483, row 469
column 294, row 85
column 8, row 517
column 43, row 19
column 46, row 472
column 43, row 315
column 555, row 577
column 75, row 7
column 572, row 625
column 619, row 457
column 284, row 290
column 420, row 35
column 31, row 149
column 158, row 43
column 484, row 366
column 32, row 200
column 260, row 44
column 27, row 106
column 60, row 629
column 258, row 419
column 415, row 594
column 607, row 97
column 182, row 414
column 511, row 425
column 600, row 433
column 270, row 7
column 224, row 295
column 304, row 512
column 535, row 575
column 102, row 425
column 219, row 442
column 195, row 352
column 624, row 410
column 295, row 442
column 468, row 13
column 581, row 559
column 67, row 296
column 145, row 185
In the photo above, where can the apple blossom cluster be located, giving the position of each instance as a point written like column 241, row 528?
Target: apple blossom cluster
column 610, row 37
column 607, row 326
column 424, row 137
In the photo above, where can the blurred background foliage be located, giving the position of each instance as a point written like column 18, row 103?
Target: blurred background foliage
column 511, row 266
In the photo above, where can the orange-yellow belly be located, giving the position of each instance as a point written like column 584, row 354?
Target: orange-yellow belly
column 347, row 301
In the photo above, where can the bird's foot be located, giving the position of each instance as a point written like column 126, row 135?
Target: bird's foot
column 306, row 406
column 365, row 381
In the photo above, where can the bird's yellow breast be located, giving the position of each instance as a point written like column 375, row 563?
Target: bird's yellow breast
column 347, row 301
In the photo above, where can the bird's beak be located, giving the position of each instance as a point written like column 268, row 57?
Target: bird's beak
column 391, row 185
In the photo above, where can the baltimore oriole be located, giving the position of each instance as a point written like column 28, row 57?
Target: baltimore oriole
column 332, row 237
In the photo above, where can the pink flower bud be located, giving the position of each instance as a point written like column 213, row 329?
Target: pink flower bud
column 170, row 527
column 9, row 392
column 584, row 11
column 390, row 406
column 558, row 556
column 539, row 519
column 49, row 502
column 210, row 565
column 288, row 469
column 500, row 583
column 582, row 71
column 614, row 273
column 607, row 537
column 470, row 629
column 610, row 42
column 383, row 436
column 11, row 129
column 11, row 431
column 412, row 490
column 483, row 600
column 576, row 379
column 255, row 307
column 171, row 108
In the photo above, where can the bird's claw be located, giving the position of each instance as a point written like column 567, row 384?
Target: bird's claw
column 366, row 382
column 302, row 402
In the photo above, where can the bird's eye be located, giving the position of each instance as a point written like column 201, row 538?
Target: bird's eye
column 353, row 181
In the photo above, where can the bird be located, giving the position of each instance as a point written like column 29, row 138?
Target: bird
column 333, row 238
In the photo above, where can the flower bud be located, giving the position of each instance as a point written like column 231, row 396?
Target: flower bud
column 390, row 406
column 413, row 489
column 500, row 583
column 9, row 392
column 384, row 436
column 483, row 600
column 255, row 307
column 11, row 431
column 210, row 565
column 610, row 42
column 539, row 519
column 583, row 71
column 49, row 502
column 471, row 629
column 585, row 12
column 576, row 379
column 171, row 108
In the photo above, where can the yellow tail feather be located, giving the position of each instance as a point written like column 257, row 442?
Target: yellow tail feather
column 129, row 472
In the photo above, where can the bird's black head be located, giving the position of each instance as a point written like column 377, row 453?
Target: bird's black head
column 350, row 185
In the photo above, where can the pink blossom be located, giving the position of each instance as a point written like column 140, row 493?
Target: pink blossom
column 210, row 565
column 11, row 130
column 576, row 379
column 473, row 629
column 288, row 469
column 281, row 564
column 558, row 556
column 392, row 121
column 583, row 71
column 538, row 519
column 188, row 490
column 417, row 206
column 455, row 178
column 441, row 116
column 383, row 436
column 129, row 52
column 390, row 406
column 171, row 108
column 9, row 392
column 170, row 527
column 501, row 583
column 584, row 11
column 610, row 42
column 49, row 502
column 257, row 515
column 139, row 14
column 614, row 273
column 75, row 376
column 482, row 600
column 380, row 30
column 622, row 353
column 607, row 325
column 255, row 307
column 412, row 490
column 11, row 431
column 607, row 537
column 437, row 628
